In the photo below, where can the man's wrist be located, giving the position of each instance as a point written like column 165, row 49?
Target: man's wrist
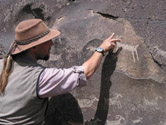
column 100, row 50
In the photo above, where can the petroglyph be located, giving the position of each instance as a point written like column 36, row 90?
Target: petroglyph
column 91, row 13
column 158, row 51
column 162, row 123
column 153, row 102
column 115, row 100
column 91, row 49
column 59, row 20
column 86, row 103
column 116, row 122
column 54, row 57
column 130, row 48
column 137, row 121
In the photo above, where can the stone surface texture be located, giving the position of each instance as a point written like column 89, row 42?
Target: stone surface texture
column 129, row 86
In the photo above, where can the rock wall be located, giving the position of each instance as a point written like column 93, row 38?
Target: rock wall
column 129, row 86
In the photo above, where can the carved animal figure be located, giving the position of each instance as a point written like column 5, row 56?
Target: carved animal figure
column 115, row 100
column 159, row 51
column 130, row 48
column 85, row 103
column 116, row 122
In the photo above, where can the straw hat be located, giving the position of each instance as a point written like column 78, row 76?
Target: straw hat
column 30, row 33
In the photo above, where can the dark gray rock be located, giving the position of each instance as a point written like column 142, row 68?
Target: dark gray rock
column 129, row 86
column 2, row 52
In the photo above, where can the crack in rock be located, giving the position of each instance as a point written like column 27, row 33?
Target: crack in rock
column 157, row 62
column 108, row 15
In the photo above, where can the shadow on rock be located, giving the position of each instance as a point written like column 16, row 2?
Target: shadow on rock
column 108, row 68
column 63, row 110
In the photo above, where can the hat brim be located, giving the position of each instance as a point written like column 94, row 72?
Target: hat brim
column 21, row 48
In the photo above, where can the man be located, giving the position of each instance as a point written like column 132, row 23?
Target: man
column 25, row 85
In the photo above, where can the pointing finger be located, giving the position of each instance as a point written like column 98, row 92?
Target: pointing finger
column 111, row 36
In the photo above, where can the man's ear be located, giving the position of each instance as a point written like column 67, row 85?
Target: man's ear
column 32, row 50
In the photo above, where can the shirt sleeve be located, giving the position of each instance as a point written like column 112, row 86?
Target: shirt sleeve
column 53, row 81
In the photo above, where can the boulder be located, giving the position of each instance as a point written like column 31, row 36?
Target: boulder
column 129, row 86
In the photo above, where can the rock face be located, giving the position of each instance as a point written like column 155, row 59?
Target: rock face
column 2, row 52
column 129, row 86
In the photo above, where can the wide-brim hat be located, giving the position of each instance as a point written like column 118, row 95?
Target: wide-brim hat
column 30, row 33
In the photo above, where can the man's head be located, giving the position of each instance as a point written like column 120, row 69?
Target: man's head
column 33, row 34
column 32, row 37
column 41, row 51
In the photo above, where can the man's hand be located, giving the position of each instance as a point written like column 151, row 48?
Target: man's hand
column 93, row 62
column 109, row 43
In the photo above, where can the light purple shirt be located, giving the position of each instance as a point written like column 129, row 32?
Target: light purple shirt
column 55, row 81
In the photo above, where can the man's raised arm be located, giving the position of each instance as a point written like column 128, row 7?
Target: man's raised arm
column 93, row 62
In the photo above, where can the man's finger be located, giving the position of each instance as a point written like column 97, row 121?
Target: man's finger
column 111, row 36
column 115, row 40
column 113, row 44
